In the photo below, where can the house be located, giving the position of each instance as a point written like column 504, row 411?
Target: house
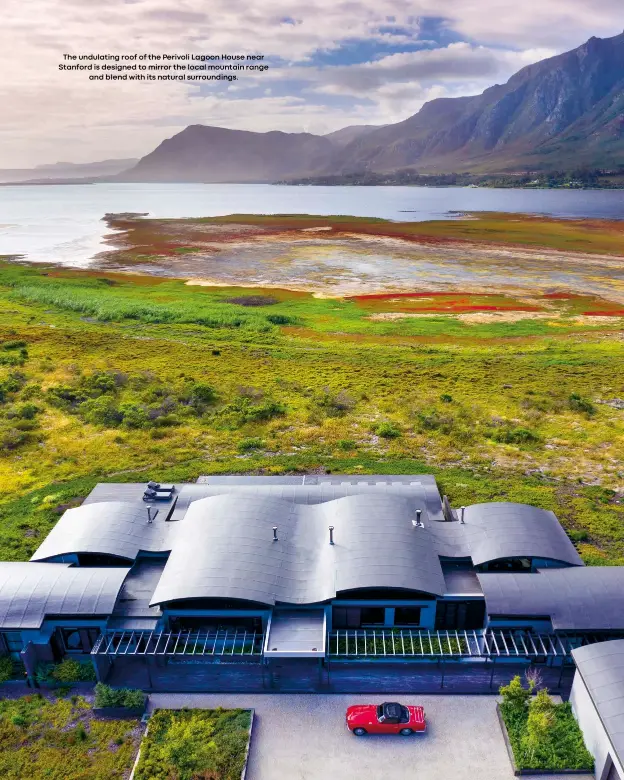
column 307, row 583
column 597, row 700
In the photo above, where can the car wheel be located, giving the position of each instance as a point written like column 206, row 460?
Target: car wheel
column 359, row 732
column 406, row 732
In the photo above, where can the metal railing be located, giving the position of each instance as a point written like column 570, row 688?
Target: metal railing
column 180, row 643
column 417, row 643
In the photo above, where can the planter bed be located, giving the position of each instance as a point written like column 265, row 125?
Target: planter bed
column 195, row 742
column 518, row 771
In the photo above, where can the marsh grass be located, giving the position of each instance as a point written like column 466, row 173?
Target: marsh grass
column 145, row 377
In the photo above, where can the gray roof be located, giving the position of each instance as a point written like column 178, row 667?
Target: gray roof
column 601, row 667
column 227, row 551
column 113, row 527
column 220, row 538
column 30, row 591
column 506, row 530
column 578, row 598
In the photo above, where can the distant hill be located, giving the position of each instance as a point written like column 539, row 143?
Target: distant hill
column 67, row 170
column 562, row 113
column 216, row 154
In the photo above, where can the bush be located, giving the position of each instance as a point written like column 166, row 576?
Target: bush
column 67, row 671
column 579, row 404
column 105, row 696
column 387, row 430
column 515, row 436
column 203, row 394
column 245, row 445
column 6, row 668
column 578, row 536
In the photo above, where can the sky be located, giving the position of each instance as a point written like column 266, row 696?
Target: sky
column 332, row 63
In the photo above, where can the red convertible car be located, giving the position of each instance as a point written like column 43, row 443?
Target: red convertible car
column 387, row 718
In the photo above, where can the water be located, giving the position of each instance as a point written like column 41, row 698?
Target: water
column 63, row 224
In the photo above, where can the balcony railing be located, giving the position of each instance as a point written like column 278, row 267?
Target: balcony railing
column 181, row 643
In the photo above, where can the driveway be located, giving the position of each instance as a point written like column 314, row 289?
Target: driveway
column 303, row 737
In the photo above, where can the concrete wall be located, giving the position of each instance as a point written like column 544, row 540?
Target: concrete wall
column 596, row 738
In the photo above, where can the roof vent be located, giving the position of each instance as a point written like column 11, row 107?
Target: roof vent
column 331, row 534
column 461, row 514
column 275, row 533
column 418, row 523
column 149, row 514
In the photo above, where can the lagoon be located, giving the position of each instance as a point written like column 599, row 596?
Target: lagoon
column 63, row 223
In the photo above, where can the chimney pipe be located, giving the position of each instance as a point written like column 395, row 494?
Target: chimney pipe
column 461, row 514
column 331, row 534
column 149, row 514
column 275, row 533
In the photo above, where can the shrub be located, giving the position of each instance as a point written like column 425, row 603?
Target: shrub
column 578, row 536
column 433, row 420
column 387, row 430
column 446, row 398
column 12, row 438
column 105, row 696
column 245, row 445
column 6, row 668
column 579, row 404
column 24, row 411
column 347, row 444
column 101, row 411
column 70, row 671
column 335, row 404
column 515, row 695
column 133, row 415
column 515, row 436
column 280, row 319
column 203, row 394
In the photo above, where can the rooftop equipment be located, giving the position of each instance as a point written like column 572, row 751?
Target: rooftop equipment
column 331, row 534
column 275, row 533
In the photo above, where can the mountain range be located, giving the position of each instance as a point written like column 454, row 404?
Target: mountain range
column 564, row 112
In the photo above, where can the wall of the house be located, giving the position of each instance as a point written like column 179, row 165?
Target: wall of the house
column 596, row 739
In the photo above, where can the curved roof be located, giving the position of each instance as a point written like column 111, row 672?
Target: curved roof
column 505, row 530
column 601, row 667
column 110, row 527
column 587, row 598
column 30, row 591
column 227, row 550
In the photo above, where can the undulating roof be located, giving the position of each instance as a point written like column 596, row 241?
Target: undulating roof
column 227, row 550
column 110, row 527
column 30, row 591
column 578, row 598
column 601, row 667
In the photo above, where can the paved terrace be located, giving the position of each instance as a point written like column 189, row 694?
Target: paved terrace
column 304, row 738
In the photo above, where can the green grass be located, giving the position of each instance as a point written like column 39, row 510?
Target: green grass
column 187, row 744
column 58, row 739
column 122, row 378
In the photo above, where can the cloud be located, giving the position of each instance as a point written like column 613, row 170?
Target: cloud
column 49, row 115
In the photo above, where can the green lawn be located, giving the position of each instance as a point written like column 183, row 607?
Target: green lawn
column 58, row 739
column 112, row 377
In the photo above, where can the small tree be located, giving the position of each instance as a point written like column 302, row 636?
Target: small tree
column 190, row 748
column 538, row 737
column 515, row 695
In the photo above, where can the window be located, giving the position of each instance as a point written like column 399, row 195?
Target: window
column 407, row 616
column 13, row 642
column 355, row 617
column 78, row 640
column 460, row 615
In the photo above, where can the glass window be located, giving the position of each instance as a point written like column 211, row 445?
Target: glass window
column 13, row 642
column 407, row 616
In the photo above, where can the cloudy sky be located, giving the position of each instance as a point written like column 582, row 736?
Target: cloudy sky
column 332, row 63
